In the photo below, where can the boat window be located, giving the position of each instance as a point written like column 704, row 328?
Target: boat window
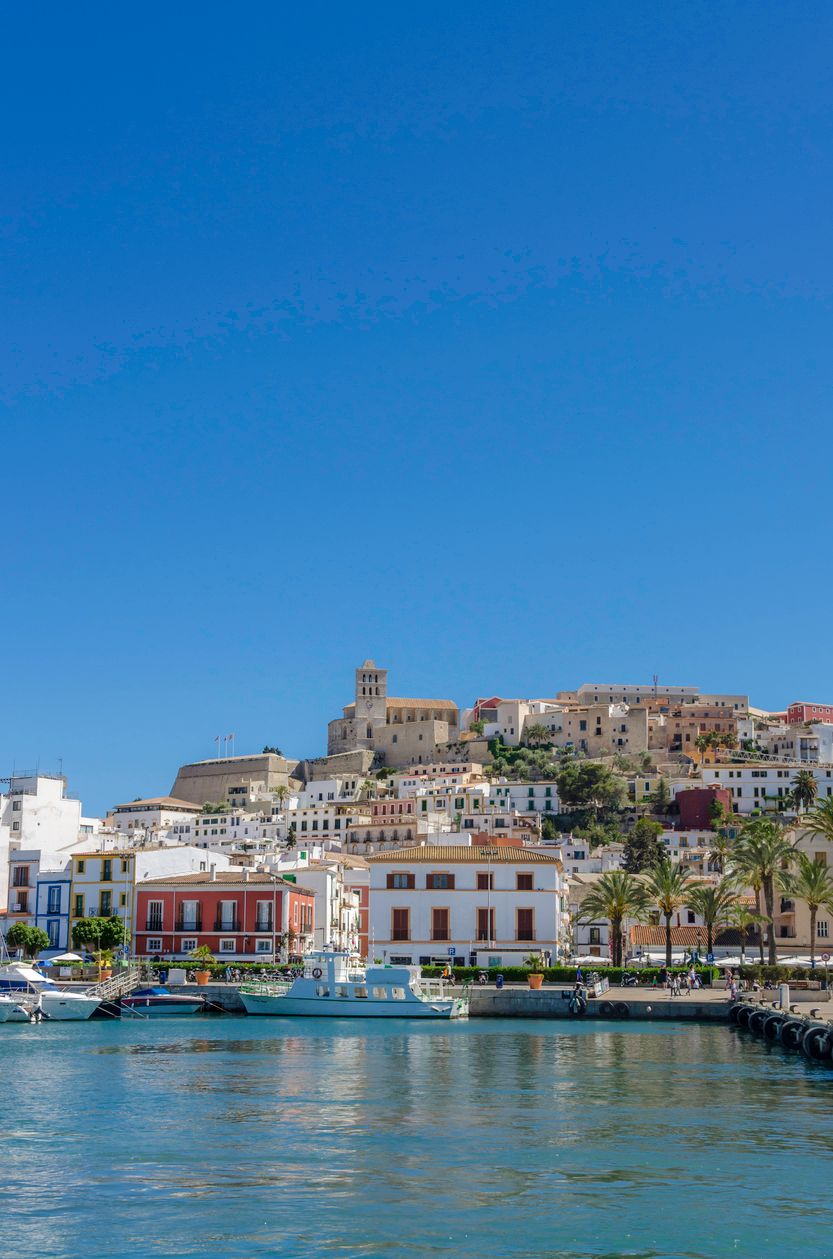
column 342, row 990
column 321, row 990
column 380, row 994
column 398, row 994
column 360, row 991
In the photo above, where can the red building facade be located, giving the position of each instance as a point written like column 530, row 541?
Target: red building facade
column 240, row 915
column 799, row 713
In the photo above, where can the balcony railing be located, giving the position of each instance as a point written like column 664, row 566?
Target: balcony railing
column 153, row 924
column 263, row 924
column 227, row 924
column 525, row 936
column 188, row 924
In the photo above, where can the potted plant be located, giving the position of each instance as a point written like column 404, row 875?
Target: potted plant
column 205, row 958
column 535, row 966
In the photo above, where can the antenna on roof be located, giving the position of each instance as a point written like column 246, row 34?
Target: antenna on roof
column 656, row 681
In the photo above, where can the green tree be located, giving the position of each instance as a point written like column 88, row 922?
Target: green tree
column 589, row 784
column 291, row 835
column 712, row 903
column 741, row 916
column 764, row 852
column 643, row 847
column 812, row 883
column 536, row 735
column 477, row 726
column 667, row 887
column 282, row 793
column 616, row 896
column 804, row 789
column 660, row 798
column 820, row 821
column 274, row 751
column 100, row 935
column 30, row 940
column 598, row 834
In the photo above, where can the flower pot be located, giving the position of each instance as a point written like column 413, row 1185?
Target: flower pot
column 534, row 980
column 106, row 972
column 202, row 977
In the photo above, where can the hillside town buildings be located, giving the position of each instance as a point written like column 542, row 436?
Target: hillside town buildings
column 382, row 844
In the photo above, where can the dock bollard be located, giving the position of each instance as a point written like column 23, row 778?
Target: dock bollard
column 784, row 996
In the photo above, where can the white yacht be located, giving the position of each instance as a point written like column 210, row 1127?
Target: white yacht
column 337, row 985
column 18, row 979
column 20, row 1009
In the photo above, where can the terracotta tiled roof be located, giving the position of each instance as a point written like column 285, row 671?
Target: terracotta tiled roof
column 457, row 853
column 397, row 701
column 654, row 937
column 159, row 802
column 223, row 878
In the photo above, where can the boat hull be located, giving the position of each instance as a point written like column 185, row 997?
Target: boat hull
column 147, row 1008
column 336, row 1008
column 61, row 1007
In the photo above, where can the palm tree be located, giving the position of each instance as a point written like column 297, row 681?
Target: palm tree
column 535, row 735
column 813, row 884
column 804, row 789
column 742, row 917
column 667, row 886
column 720, row 850
column 712, row 903
column 616, row 896
column 820, row 821
column 281, row 792
column 764, row 852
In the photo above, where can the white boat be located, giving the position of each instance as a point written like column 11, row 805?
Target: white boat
column 336, row 985
column 17, row 1009
column 18, row 978
column 158, row 1002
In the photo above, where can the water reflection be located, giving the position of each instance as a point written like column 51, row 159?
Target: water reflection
column 495, row 1138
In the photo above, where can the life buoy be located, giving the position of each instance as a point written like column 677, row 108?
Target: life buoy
column 317, row 972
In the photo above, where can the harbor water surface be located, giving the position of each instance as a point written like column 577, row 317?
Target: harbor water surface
column 243, row 1137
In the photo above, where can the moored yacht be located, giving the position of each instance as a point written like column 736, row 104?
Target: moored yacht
column 336, row 985
column 158, row 1002
column 18, row 978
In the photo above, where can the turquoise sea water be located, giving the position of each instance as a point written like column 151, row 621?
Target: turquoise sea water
column 524, row 1140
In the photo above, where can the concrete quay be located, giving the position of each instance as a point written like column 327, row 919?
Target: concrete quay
column 519, row 1001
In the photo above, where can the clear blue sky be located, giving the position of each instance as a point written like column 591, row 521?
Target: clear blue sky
column 490, row 341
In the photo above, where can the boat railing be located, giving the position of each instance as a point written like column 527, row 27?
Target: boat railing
column 266, row 988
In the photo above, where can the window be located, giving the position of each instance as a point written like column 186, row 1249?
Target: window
column 125, row 864
column 439, row 881
column 122, row 899
column 380, row 994
column 398, row 994
column 105, row 905
column 485, row 924
column 440, row 925
column 16, row 806
column 78, row 906
column 228, row 946
column 81, row 867
column 106, row 870
column 154, row 918
column 187, row 944
column 523, row 882
column 401, row 880
column 52, row 930
column 822, row 930
column 360, row 991
column 154, row 944
column 691, row 916
column 595, row 935
column 263, row 946
column 525, row 921
column 400, row 924
column 53, row 900
column 263, row 921
column 21, row 876
column 485, row 881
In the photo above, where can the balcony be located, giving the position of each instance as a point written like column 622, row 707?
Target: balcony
column 153, row 924
column 264, row 925
column 188, row 924
column 227, row 924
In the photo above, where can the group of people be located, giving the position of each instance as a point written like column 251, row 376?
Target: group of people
column 689, row 981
